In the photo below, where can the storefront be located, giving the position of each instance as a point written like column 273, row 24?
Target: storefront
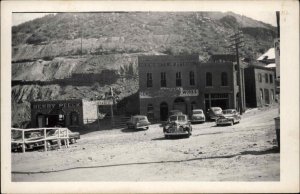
column 65, row 113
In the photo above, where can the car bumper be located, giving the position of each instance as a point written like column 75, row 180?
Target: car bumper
column 224, row 122
column 176, row 133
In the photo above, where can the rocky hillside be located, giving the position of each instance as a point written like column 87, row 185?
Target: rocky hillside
column 49, row 51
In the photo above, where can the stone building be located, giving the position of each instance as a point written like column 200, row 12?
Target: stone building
column 259, row 86
column 184, row 83
column 66, row 113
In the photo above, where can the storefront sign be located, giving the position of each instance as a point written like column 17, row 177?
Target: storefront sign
column 169, row 92
column 105, row 102
column 59, row 105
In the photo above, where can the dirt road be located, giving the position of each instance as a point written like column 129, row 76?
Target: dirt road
column 242, row 152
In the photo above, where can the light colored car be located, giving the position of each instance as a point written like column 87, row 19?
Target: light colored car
column 197, row 116
column 177, row 125
column 214, row 112
column 138, row 121
column 229, row 116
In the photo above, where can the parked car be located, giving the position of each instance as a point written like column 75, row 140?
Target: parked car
column 214, row 112
column 137, row 122
column 177, row 125
column 28, row 136
column 229, row 116
column 197, row 116
column 175, row 112
column 73, row 136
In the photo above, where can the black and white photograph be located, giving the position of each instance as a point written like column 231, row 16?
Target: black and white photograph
column 146, row 96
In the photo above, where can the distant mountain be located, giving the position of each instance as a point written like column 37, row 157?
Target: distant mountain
column 55, row 47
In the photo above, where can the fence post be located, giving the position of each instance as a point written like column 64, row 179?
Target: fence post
column 67, row 138
column 23, row 139
column 58, row 140
column 45, row 141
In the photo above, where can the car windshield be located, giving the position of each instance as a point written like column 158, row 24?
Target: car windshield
column 181, row 118
column 177, row 117
column 216, row 109
column 197, row 112
column 136, row 119
column 225, row 112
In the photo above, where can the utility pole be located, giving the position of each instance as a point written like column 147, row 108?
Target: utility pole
column 237, row 39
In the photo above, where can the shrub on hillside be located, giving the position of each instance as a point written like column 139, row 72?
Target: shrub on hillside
column 36, row 39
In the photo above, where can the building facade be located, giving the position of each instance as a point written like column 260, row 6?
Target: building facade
column 183, row 83
column 260, row 86
column 66, row 113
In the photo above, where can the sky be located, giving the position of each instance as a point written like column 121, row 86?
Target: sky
column 266, row 17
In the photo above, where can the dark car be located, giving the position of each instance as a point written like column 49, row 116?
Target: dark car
column 17, row 145
column 229, row 116
column 214, row 112
column 177, row 125
column 137, row 122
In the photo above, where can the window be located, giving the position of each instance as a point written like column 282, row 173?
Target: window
column 259, row 77
column 208, row 79
column 266, row 78
column 163, row 81
column 178, row 79
column 149, row 80
column 192, row 78
column 271, row 78
column 272, row 94
column 193, row 106
column 224, row 79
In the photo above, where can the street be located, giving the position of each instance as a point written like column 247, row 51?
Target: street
column 243, row 152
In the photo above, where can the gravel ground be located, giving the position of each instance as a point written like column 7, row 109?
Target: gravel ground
column 243, row 152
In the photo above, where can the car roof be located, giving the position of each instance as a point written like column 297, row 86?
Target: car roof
column 228, row 109
column 197, row 109
column 139, row 116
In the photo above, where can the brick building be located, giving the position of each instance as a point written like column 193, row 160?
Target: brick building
column 66, row 113
column 259, row 86
column 183, row 83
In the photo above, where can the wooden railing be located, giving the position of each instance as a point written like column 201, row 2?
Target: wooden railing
column 63, row 134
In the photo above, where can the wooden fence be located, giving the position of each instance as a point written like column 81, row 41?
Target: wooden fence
column 62, row 134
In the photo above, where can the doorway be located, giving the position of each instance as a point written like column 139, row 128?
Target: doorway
column 180, row 104
column 164, row 110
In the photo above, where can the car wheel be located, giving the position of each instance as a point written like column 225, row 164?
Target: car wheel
column 48, row 145
column 166, row 136
column 147, row 128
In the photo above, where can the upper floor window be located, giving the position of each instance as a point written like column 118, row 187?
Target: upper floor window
column 192, row 78
column 224, row 79
column 178, row 79
column 149, row 80
column 163, row 81
column 259, row 77
column 266, row 77
column 271, row 78
column 208, row 79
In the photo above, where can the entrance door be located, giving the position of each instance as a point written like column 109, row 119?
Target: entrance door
column 40, row 119
column 267, row 96
column 164, row 111
column 179, row 104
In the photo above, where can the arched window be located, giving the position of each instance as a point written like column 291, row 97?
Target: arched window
column 192, row 78
column 261, row 94
column 224, row 79
column 149, row 80
column 259, row 77
column 208, row 79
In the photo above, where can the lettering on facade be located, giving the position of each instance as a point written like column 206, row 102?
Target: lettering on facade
column 169, row 92
column 52, row 105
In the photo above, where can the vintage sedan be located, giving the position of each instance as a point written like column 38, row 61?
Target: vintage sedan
column 73, row 136
column 197, row 116
column 229, row 117
column 214, row 112
column 138, row 122
column 177, row 125
column 16, row 137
